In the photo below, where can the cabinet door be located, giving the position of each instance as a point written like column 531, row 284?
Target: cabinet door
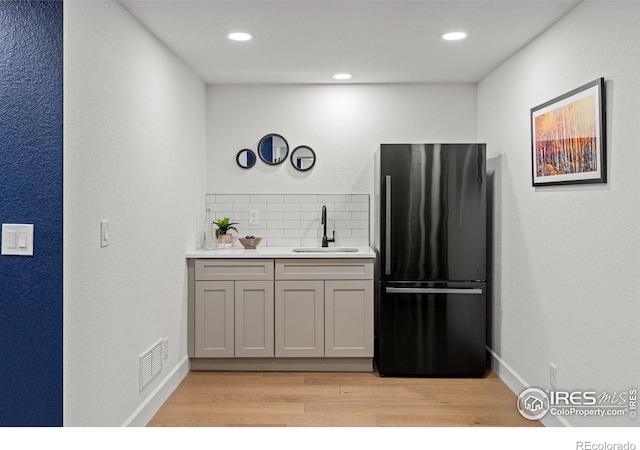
column 299, row 318
column 214, row 313
column 254, row 319
column 348, row 318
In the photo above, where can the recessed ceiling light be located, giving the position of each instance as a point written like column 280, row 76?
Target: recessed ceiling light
column 454, row 36
column 342, row 76
column 240, row 36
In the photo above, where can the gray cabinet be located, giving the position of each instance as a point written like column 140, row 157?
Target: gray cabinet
column 253, row 319
column 299, row 308
column 233, row 309
column 348, row 318
column 214, row 319
column 324, row 307
column 281, row 314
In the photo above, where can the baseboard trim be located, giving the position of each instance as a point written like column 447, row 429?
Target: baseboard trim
column 145, row 412
column 284, row 364
column 517, row 384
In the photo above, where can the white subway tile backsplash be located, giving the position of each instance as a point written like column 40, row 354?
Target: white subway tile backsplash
column 356, row 242
column 239, row 216
column 352, row 224
column 233, row 198
column 213, row 215
column 301, row 215
column 219, row 206
column 311, row 207
column 267, row 198
column 271, row 215
column 330, row 206
column 284, row 242
column 352, row 206
column 301, row 198
column 334, row 198
column 294, row 219
column 283, row 207
column 284, row 224
column 301, row 233
column 247, row 206
column 360, row 215
column 342, row 215
column 360, row 198
column 262, row 232
column 317, row 207
column 310, row 242
column 360, row 233
column 311, row 224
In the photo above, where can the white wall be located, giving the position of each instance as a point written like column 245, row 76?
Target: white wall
column 567, row 259
column 135, row 140
column 343, row 124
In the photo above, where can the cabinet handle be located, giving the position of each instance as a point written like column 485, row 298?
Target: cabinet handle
column 387, row 212
column 463, row 291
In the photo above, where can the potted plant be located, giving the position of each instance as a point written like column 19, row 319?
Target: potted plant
column 224, row 225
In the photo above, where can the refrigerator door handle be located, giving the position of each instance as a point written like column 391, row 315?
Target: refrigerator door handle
column 464, row 291
column 387, row 238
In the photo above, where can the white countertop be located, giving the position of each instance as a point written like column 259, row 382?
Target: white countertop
column 279, row 252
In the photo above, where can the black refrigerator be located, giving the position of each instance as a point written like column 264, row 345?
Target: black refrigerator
column 430, row 241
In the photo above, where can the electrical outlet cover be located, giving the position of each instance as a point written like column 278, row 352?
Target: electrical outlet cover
column 254, row 218
column 553, row 376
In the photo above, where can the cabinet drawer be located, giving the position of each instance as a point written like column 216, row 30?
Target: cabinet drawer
column 324, row 269
column 233, row 269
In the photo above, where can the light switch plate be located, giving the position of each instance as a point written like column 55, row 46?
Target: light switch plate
column 104, row 233
column 17, row 239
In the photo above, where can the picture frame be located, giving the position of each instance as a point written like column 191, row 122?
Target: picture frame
column 568, row 142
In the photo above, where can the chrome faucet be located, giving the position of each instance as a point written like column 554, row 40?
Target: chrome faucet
column 325, row 240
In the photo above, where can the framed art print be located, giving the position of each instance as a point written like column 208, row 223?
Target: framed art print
column 568, row 138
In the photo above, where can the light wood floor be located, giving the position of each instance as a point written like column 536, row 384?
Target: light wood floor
column 279, row 399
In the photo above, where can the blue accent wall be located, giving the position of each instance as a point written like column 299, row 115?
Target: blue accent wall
column 31, row 99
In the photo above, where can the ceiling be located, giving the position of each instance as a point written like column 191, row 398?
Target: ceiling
column 377, row 41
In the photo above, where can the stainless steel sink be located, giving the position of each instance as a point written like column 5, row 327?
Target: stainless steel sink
column 325, row 250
